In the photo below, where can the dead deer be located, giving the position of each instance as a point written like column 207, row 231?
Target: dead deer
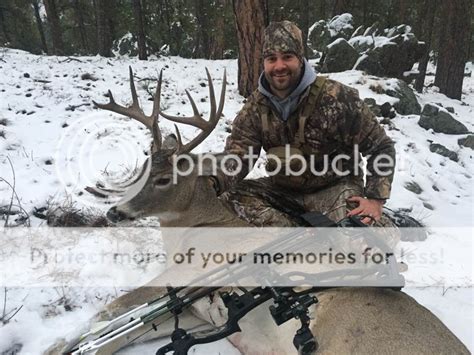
column 351, row 320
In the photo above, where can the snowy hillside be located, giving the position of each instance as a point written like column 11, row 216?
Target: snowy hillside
column 53, row 144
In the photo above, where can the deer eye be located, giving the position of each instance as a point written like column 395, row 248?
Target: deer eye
column 163, row 181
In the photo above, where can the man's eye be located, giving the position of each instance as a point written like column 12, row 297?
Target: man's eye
column 288, row 57
column 270, row 59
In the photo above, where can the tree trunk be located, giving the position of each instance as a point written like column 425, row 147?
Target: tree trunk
column 104, row 37
column 39, row 24
column 140, row 32
column 203, row 42
column 250, row 24
column 428, row 14
column 218, row 38
column 305, row 11
column 4, row 25
column 340, row 7
column 399, row 9
column 79, row 16
column 322, row 10
column 453, row 47
column 54, row 25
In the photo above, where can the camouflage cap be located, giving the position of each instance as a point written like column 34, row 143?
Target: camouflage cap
column 283, row 36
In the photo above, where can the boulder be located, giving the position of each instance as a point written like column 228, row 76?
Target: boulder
column 445, row 152
column 340, row 56
column 358, row 32
column 392, row 58
column 440, row 121
column 385, row 109
column 341, row 26
column 127, row 45
column 319, row 36
column 370, row 64
column 467, row 142
column 407, row 104
column 372, row 104
column 362, row 43
column 397, row 30
column 372, row 30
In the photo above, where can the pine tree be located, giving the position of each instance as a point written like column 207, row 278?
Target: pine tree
column 453, row 46
column 250, row 22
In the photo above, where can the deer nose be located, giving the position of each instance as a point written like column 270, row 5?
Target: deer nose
column 115, row 215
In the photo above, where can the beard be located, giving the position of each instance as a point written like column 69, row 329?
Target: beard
column 283, row 80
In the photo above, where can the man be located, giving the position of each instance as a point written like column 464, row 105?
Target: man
column 318, row 122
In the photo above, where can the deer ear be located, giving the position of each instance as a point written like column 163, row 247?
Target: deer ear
column 170, row 142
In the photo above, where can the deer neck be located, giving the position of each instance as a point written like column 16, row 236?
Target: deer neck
column 204, row 210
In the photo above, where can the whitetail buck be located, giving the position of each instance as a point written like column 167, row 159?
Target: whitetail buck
column 349, row 320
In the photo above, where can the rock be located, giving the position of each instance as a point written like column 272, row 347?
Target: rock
column 322, row 33
column 370, row 101
column 341, row 26
column 450, row 109
column 397, row 30
column 428, row 206
column 319, row 36
column 385, row 109
column 467, row 142
column 26, row 75
column 372, row 30
column 407, row 104
column 392, row 114
column 362, row 43
column 358, row 32
column 445, row 152
column 340, row 56
column 413, row 187
column 370, row 64
column 372, row 106
column 87, row 76
column 440, row 121
column 392, row 58
column 127, row 45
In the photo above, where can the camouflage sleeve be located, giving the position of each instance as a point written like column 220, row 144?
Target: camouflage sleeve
column 361, row 128
column 244, row 138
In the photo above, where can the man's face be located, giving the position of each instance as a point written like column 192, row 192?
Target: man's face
column 282, row 71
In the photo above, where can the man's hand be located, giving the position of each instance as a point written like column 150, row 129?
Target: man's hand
column 372, row 208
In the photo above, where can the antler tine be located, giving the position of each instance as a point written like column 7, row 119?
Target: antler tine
column 212, row 97
column 156, row 136
column 133, row 111
column 222, row 97
column 135, row 103
column 156, row 101
column 196, row 120
column 178, row 138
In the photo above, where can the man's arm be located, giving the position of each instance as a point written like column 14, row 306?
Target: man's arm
column 243, row 142
column 361, row 128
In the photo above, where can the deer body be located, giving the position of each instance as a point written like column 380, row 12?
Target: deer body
column 351, row 320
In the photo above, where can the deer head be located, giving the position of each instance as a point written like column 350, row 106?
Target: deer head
column 176, row 200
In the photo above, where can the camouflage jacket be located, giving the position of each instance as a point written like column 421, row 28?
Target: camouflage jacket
column 339, row 122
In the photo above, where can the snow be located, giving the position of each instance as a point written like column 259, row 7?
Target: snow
column 335, row 42
column 56, row 151
column 339, row 23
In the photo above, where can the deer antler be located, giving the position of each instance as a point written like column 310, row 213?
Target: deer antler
column 196, row 120
column 135, row 111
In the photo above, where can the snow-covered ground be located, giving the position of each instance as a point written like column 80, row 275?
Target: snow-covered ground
column 57, row 144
